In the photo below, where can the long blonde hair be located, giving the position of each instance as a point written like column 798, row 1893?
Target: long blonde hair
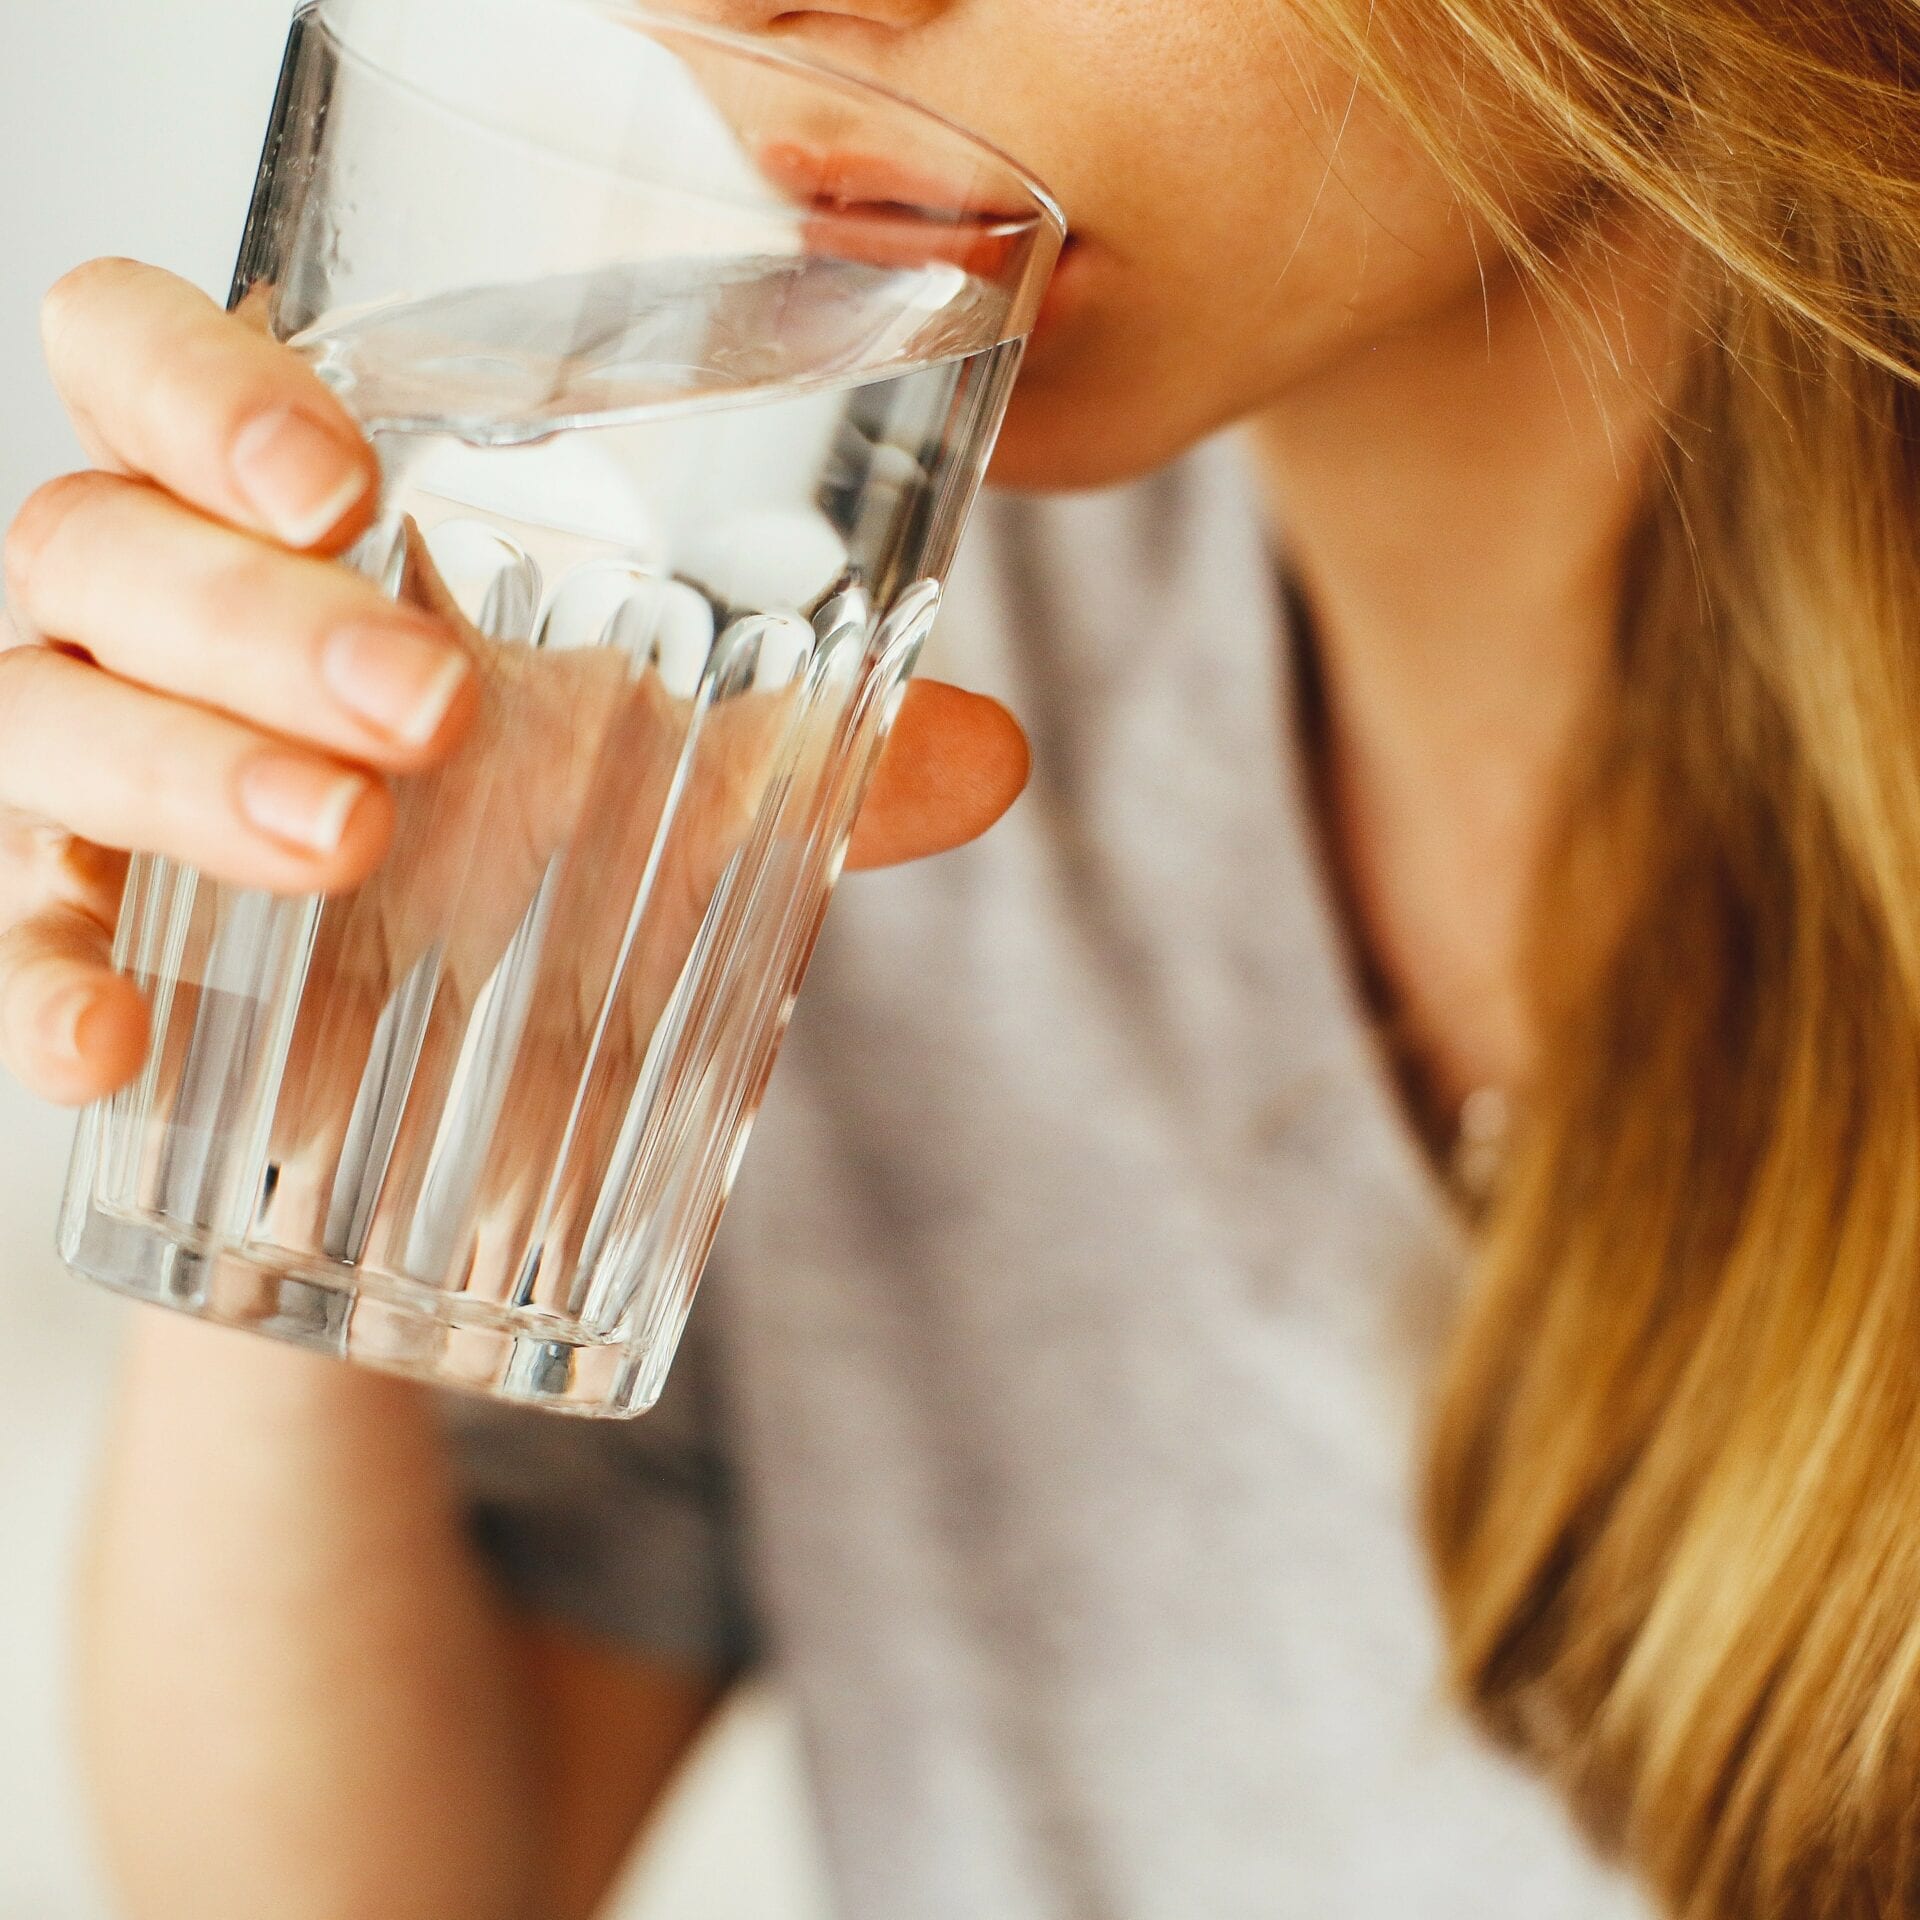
column 1673, row 1495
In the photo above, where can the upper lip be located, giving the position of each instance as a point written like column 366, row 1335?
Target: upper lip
column 875, row 186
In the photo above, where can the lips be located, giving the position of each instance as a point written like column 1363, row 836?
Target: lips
column 872, row 184
column 867, row 207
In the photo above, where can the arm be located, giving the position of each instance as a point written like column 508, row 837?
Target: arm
column 296, row 1676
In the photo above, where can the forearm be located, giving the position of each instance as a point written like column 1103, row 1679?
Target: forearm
column 299, row 1697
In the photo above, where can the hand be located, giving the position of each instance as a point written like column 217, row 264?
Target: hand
column 189, row 674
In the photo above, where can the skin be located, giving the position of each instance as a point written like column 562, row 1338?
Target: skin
column 1450, row 474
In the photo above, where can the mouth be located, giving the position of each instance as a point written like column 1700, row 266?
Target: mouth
column 868, row 183
column 868, row 207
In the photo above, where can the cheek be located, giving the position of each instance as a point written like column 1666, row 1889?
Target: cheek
column 1248, row 227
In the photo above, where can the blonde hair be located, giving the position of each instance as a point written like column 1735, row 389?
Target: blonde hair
column 1673, row 1494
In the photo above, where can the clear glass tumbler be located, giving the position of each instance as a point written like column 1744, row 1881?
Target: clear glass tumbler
column 683, row 359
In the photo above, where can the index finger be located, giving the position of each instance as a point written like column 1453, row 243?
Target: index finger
column 163, row 384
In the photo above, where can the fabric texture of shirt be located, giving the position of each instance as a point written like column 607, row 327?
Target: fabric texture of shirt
column 1050, row 1415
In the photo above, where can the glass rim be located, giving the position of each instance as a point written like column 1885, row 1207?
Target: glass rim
column 1044, row 208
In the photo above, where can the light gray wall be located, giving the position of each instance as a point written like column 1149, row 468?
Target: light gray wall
column 126, row 126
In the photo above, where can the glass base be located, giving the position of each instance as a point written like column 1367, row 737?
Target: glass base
column 530, row 1358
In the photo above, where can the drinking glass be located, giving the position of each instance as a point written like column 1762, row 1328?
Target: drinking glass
column 683, row 358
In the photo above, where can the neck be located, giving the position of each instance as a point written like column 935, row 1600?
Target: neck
column 1455, row 503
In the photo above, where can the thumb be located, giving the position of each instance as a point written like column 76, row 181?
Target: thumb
column 954, row 764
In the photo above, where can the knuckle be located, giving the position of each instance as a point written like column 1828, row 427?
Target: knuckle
column 19, row 946
column 15, row 960
column 31, row 846
column 22, row 865
column 240, row 590
column 73, row 290
column 48, row 515
column 157, row 798
column 27, row 717
column 22, row 676
column 78, row 292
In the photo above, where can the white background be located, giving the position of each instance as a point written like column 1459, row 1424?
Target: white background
column 133, row 126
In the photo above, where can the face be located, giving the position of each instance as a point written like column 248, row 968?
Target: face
column 1243, row 220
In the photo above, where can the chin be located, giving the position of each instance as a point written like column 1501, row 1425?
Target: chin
column 1066, row 436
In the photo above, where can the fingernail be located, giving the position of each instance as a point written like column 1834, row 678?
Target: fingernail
column 399, row 678
column 299, row 476
column 300, row 802
column 64, row 1021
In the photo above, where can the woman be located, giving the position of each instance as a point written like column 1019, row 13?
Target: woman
column 1088, row 1285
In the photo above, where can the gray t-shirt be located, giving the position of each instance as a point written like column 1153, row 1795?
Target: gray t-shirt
column 1050, row 1415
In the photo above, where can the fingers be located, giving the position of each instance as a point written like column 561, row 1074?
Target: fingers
column 161, row 383
column 163, row 596
column 159, row 776
column 70, row 1027
column 955, row 763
